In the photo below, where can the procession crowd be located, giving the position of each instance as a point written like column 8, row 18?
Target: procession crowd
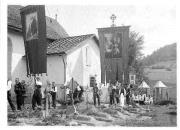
column 38, row 97
column 119, row 94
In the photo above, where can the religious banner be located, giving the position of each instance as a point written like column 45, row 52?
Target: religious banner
column 113, row 45
column 114, row 42
column 34, row 33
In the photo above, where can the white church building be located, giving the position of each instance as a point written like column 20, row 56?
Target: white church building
column 76, row 57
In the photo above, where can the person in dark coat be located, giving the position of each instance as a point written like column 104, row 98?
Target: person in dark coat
column 23, row 84
column 37, row 95
column 53, row 93
column 96, row 94
column 81, row 93
column 117, row 94
column 19, row 93
column 111, row 96
column 128, row 93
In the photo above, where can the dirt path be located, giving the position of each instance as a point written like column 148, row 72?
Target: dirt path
column 90, row 116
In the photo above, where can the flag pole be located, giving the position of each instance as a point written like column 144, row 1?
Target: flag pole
column 105, row 77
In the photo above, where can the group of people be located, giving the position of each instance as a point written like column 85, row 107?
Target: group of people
column 142, row 99
column 76, row 95
column 39, row 95
column 20, row 91
column 119, row 93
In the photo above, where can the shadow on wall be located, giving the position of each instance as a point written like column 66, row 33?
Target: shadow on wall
column 19, row 72
column 77, row 72
column 9, row 58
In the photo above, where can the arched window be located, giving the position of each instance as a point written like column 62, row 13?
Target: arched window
column 9, row 57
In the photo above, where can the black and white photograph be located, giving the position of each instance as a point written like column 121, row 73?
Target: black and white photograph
column 94, row 65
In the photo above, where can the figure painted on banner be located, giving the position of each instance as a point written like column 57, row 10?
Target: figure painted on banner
column 18, row 91
column 96, row 94
column 113, row 45
column 122, row 95
column 53, row 93
column 9, row 85
column 23, row 83
column 31, row 26
column 37, row 95
column 47, row 94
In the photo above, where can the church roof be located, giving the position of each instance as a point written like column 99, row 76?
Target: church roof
column 53, row 29
column 64, row 44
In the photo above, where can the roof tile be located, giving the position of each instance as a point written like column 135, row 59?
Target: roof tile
column 63, row 44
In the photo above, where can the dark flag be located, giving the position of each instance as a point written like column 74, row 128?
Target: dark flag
column 114, row 42
column 34, row 33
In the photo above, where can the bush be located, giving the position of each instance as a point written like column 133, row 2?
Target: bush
column 165, row 102
column 172, row 113
column 158, row 67
column 168, row 69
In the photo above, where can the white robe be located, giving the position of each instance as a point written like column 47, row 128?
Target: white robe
column 122, row 100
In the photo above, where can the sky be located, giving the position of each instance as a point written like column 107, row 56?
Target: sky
column 156, row 23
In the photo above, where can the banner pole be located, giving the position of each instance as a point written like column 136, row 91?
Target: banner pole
column 46, row 109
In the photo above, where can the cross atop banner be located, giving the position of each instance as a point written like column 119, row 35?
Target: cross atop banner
column 113, row 18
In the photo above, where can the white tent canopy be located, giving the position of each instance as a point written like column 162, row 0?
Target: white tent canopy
column 160, row 84
column 144, row 85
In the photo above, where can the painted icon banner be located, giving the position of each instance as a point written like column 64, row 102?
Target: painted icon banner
column 34, row 33
column 113, row 45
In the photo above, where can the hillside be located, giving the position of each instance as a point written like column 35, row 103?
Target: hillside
column 166, row 53
column 164, row 71
column 161, row 65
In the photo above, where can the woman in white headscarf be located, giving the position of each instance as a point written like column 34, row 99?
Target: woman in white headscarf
column 122, row 96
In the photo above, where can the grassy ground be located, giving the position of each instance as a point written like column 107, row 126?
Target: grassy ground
column 98, row 116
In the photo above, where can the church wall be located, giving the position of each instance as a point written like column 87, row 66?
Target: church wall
column 84, row 64
column 91, row 55
column 55, row 66
column 77, row 66
column 74, row 67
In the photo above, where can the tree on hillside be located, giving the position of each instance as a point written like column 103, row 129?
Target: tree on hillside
column 136, row 42
column 165, row 53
